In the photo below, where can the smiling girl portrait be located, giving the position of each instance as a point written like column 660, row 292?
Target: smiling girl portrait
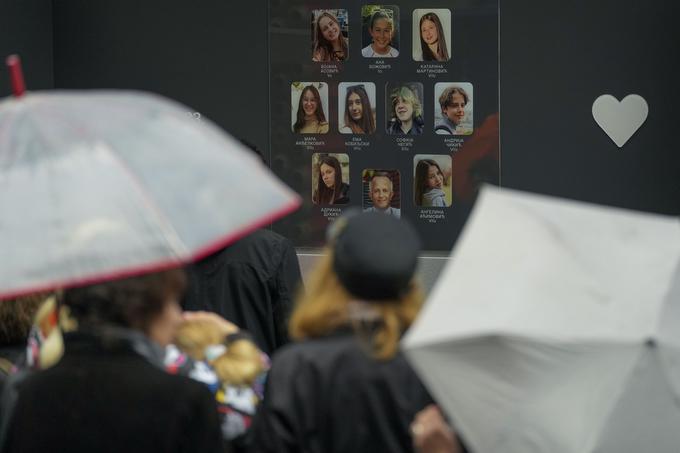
column 432, row 35
column 329, row 35
column 356, row 107
column 380, row 31
column 309, row 105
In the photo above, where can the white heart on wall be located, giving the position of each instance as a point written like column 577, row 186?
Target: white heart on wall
column 620, row 120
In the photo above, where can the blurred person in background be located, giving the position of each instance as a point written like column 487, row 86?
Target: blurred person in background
column 344, row 386
column 250, row 283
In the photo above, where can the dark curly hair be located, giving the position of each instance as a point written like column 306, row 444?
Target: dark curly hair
column 131, row 302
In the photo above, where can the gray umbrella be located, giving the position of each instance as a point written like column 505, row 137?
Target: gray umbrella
column 555, row 327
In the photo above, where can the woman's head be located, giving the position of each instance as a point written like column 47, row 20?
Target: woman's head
column 309, row 107
column 381, row 29
column 432, row 36
column 358, row 111
column 327, row 28
column 329, row 171
column 148, row 303
column 329, row 44
column 428, row 176
column 405, row 104
column 329, row 179
column 362, row 266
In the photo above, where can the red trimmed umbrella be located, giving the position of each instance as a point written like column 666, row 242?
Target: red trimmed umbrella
column 96, row 185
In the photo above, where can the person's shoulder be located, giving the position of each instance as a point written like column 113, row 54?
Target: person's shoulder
column 367, row 51
column 323, row 127
column 394, row 52
column 345, row 130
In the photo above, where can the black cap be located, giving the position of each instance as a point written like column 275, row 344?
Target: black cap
column 375, row 255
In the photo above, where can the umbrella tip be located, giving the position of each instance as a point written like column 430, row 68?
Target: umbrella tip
column 16, row 75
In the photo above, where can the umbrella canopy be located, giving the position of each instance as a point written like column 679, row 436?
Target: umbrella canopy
column 99, row 185
column 555, row 327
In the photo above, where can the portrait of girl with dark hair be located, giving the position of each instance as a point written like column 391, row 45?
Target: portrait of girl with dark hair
column 329, row 187
column 328, row 37
column 358, row 114
column 309, row 116
column 433, row 33
column 380, row 22
column 430, row 182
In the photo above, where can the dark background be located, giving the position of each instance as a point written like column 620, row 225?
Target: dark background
column 556, row 57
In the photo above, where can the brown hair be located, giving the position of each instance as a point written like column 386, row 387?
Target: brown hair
column 320, row 116
column 131, row 302
column 442, row 52
column 367, row 123
column 446, row 98
column 422, row 170
column 325, row 307
column 324, row 194
column 16, row 317
column 325, row 47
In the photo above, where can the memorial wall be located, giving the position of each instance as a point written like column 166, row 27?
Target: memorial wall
column 532, row 71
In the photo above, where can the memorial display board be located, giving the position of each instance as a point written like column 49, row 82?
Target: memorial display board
column 386, row 107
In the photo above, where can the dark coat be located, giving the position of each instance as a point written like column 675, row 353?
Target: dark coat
column 251, row 283
column 328, row 395
column 104, row 397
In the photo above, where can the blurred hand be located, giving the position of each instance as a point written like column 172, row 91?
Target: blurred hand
column 431, row 433
column 225, row 326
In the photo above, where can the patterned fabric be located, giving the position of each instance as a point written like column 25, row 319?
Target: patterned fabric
column 235, row 404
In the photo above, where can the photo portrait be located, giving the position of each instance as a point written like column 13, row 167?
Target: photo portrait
column 381, row 191
column 380, row 31
column 356, row 108
column 330, row 31
column 404, row 108
column 309, row 107
column 432, row 181
column 330, row 179
column 432, row 34
column 453, row 108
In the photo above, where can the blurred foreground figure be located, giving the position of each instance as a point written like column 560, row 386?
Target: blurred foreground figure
column 344, row 387
column 109, row 392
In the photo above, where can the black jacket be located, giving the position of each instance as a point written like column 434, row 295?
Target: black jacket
column 105, row 397
column 251, row 283
column 329, row 395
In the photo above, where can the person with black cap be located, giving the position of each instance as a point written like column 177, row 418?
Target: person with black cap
column 344, row 386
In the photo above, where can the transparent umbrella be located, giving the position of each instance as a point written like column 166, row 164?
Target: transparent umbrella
column 555, row 327
column 98, row 185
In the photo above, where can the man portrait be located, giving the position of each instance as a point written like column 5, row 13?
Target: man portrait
column 381, row 194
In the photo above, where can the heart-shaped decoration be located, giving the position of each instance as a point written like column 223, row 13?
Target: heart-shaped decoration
column 620, row 120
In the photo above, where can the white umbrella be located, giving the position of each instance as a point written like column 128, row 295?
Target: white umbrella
column 555, row 327
column 97, row 185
